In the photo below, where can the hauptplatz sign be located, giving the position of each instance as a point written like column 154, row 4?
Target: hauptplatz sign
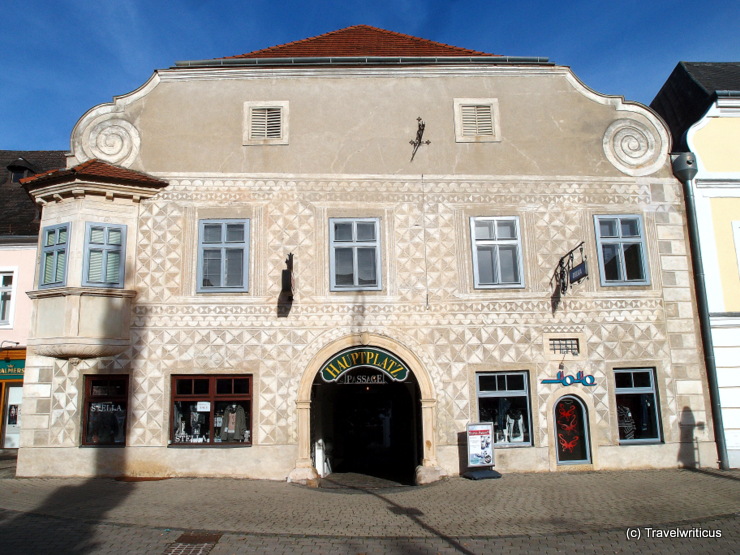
column 364, row 357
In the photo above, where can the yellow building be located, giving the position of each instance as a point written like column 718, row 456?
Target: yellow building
column 701, row 104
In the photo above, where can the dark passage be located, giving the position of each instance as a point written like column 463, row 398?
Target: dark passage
column 369, row 429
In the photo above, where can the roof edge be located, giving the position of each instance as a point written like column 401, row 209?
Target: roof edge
column 364, row 60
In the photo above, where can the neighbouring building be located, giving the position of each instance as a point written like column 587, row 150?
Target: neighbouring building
column 335, row 254
column 700, row 102
column 19, row 229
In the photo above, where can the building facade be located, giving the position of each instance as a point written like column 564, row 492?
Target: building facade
column 701, row 104
column 19, row 230
column 335, row 254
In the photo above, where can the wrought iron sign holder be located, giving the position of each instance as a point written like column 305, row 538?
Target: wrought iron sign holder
column 568, row 272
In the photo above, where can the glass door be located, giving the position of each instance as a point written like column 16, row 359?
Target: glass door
column 571, row 431
column 12, row 416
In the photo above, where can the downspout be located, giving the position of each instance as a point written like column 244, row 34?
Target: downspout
column 684, row 168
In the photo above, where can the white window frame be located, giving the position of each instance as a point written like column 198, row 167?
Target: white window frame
column 736, row 239
column 106, row 249
column 460, row 105
column 517, row 242
column 525, row 393
column 651, row 390
column 355, row 245
column 223, row 246
column 620, row 242
column 250, row 107
column 55, row 249
column 10, row 290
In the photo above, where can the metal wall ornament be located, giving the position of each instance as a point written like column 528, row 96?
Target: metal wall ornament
column 416, row 143
column 569, row 272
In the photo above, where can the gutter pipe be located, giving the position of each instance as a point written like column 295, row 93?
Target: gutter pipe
column 685, row 169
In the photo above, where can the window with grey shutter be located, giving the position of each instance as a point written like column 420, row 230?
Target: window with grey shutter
column 53, row 271
column 105, row 246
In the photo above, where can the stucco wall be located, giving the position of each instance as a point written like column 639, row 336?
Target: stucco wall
column 22, row 262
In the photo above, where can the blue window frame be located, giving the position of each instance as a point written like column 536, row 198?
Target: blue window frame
column 54, row 243
column 497, row 252
column 638, row 416
column 223, row 256
column 105, row 255
column 503, row 398
column 355, row 254
column 621, row 247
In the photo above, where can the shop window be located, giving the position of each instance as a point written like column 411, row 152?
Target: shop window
column 266, row 123
column 355, row 254
column 223, row 256
column 621, row 248
column 503, row 398
column 476, row 120
column 7, row 294
column 105, row 252
column 497, row 252
column 53, row 271
column 637, row 405
column 106, row 407
column 211, row 410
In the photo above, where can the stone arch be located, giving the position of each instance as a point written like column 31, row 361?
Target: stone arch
column 429, row 471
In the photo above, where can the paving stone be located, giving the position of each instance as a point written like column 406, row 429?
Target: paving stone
column 579, row 512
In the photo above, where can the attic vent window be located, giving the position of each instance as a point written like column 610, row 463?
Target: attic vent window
column 265, row 123
column 477, row 120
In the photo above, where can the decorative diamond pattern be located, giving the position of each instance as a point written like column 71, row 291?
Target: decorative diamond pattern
column 457, row 333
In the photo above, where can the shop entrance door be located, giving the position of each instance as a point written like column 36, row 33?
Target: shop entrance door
column 571, row 431
column 368, row 424
column 12, row 415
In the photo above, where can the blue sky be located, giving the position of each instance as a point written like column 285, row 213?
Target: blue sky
column 60, row 58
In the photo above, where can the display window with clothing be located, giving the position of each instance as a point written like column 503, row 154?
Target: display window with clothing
column 503, row 399
column 211, row 410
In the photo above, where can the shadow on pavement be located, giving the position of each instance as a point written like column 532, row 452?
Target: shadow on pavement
column 412, row 513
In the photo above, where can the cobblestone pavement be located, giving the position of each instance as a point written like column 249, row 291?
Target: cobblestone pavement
column 585, row 512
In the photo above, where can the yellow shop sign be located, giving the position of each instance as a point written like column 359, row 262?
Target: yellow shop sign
column 366, row 357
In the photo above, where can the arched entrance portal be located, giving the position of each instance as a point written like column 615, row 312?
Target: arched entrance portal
column 366, row 416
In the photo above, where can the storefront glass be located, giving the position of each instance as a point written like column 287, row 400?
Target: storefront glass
column 106, row 407
column 211, row 410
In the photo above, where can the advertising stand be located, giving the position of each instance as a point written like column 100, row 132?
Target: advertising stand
column 480, row 451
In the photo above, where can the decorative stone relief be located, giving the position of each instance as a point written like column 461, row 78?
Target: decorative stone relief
column 113, row 140
column 634, row 148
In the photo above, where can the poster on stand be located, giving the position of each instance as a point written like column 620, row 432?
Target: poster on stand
column 480, row 444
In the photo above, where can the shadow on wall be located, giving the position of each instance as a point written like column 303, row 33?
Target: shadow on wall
column 688, row 451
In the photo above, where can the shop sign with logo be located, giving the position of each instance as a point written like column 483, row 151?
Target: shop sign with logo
column 369, row 357
column 567, row 380
column 12, row 369
column 480, row 444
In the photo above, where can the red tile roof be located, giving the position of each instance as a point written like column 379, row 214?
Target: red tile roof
column 95, row 170
column 360, row 40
